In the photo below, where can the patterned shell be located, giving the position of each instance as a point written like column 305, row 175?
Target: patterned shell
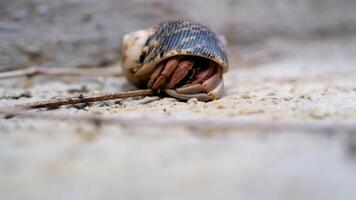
column 181, row 37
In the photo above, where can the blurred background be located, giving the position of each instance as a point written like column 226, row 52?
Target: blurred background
column 72, row 33
column 285, row 128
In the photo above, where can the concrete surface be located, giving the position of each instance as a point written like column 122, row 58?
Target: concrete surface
column 311, row 81
column 285, row 129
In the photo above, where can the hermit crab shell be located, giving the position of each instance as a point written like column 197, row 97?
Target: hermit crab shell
column 144, row 49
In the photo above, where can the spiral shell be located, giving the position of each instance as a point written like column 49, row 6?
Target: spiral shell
column 143, row 50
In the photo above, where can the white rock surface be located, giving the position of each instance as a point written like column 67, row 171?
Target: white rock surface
column 300, row 94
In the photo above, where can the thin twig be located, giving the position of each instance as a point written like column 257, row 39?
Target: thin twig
column 112, row 71
column 219, row 125
column 55, row 103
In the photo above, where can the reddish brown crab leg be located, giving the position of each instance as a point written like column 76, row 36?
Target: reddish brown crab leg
column 191, row 89
column 212, row 82
column 179, row 74
column 207, row 86
column 200, row 77
column 166, row 73
column 204, row 75
column 199, row 96
column 155, row 75
column 212, row 88
column 214, row 94
column 217, row 92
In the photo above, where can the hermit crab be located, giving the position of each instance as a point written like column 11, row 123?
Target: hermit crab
column 180, row 58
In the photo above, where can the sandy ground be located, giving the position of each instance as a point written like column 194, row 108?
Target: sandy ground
column 282, row 132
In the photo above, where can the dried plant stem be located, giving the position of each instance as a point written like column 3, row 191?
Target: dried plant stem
column 55, row 103
column 112, row 71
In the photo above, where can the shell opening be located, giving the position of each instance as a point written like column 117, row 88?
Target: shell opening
column 132, row 49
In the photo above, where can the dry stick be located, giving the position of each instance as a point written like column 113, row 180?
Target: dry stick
column 55, row 103
column 198, row 124
column 113, row 71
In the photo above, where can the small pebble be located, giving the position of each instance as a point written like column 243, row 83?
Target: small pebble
column 193, row 101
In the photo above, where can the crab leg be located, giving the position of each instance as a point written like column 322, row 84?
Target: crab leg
column 217, row 92
column 208, row 90
column 199, row 96
column 155, row 75
column 191, row 89
column 206, row 86
column 212, row 82
column 200, row 77
column 179, row 74
column 204, row 75
column 167, row 71
column 214, row 94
